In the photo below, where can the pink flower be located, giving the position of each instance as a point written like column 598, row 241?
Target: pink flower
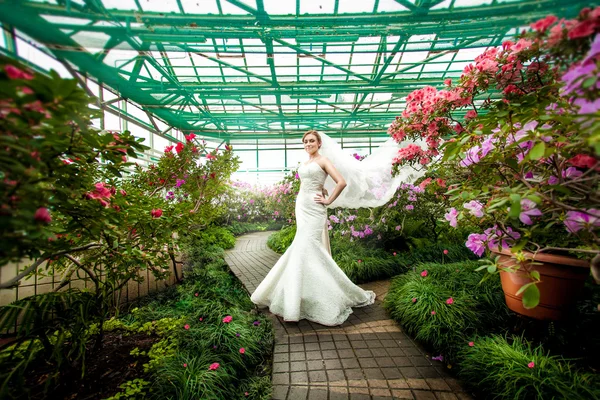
column 359, row 261
column 576, row 220
column 168, row 149
column 414, row 299
column 214, row 366
column 448, row 82
column 156, row 213
column 15, row 73
column 451, row 217
column 394, row 253
column 528, row 210
column 42, row 215
column 438, row 358
column 227, row 319
column 424, row 273
column 184, row 365
column 445, row 251
column 450, row 301
column 123, row 193
column 471, row 344
column 470, row 114
column 196, row 294
column 476, row 243
column 179, row 147
column 433, row 313
column 531, row 364
column 186, row 327
column 242, row 350
column 582, row 29
column 190, row 137
column 200, row 319
column 211, row 157
column 475, row 207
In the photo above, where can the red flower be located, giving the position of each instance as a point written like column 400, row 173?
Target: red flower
column 414, row 299
column 190, row 137
column 433, row 313
column 156, row 213
column 15, row 73
column 210, row 157
column 424, row 273
column 179, row 147
column 184, row 365
column 394, row 253
column 214, row 366
column 450, row 301
column 42, row 215
column 448, row 82
column 582, row 161
column 445, row 251
column 242, row 350
column 228, row 147
column 359, row 261
column 544, row 23
column 168, row 149
column 123, row 193
column 582, row 29
column 196, row 294
column 531, row 364
column 186, row 327
column 227, row 319
column 471, row 344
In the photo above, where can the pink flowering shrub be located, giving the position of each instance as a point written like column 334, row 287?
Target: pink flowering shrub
column 522, row 167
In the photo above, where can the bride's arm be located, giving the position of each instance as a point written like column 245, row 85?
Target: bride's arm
column 337, row 178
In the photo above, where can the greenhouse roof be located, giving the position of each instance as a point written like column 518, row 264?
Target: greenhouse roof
column 273, row 68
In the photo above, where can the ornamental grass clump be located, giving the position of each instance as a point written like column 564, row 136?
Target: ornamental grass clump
column 512, row 368
column 442, row 305
column 522, row 164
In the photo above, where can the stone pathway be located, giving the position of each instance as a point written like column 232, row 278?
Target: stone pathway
column 368, row 357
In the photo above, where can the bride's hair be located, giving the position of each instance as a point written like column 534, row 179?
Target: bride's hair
column 313, row 132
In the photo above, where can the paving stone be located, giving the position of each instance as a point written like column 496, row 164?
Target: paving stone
column 368, row 357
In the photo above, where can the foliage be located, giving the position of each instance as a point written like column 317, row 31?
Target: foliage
column 443, row 305
column 512, row 368
column 68, row 203
column 281, row 240
column 522, row 164
column 217, row 236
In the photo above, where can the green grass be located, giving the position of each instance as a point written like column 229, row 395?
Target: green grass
column 499, row 367
column 208, row 293
column 476, row 307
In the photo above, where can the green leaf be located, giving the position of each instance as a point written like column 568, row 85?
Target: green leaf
column 538, row 151
column 515, row 208
column 519, row 246
column 491, row 268
column 589, row 82
column 531, row 296
column 523, row 288
column 535, row 275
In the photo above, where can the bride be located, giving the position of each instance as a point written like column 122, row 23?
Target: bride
column 306, row 283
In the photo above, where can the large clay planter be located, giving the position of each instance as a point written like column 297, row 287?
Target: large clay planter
column 562, row 279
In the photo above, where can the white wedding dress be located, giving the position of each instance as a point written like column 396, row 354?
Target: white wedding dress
column 306, row 283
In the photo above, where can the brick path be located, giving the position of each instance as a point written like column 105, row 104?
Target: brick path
column 368, row 357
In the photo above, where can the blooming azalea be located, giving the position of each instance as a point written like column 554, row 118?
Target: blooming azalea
column 242, row 350
column 200, row 319
column 168, row 149
column 156, row 213
column 531, row 364
column 190, row 137
column 445, row 251
column 576, row 220
column 471, row 344
column 179, row 147
column 433, row 313
column 211, row 157
column 450, row 301
column 414, row 299
column 475, row 207
column 214, row 366
column 476, row 243
column 256, row 323
column 15, row 73
column 394, row 254
column 424, row 273
column 227, row 319
column 184, row 365
column 451, row 217
column 528, row 210
column 186, row 327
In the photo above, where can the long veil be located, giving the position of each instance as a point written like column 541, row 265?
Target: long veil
column 369, row 182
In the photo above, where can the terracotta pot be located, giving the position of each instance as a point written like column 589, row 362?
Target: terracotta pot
column 562, row 279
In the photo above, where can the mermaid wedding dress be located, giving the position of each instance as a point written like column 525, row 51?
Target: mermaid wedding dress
column 306, row 283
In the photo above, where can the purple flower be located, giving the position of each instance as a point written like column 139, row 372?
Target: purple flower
column 572, row 173
column 529, row 175
column 398, row 227
column 471, row 157
column 594, row 49
column 179, row 182
column 528, row 210
column 451, row 217
column 494, row 235
column 487, row 145
column 256, row 323
column 475, row 207
column 438, row 358
column 297, row 176
column 409, row 207
column 334, row 219
column 368, row 231
column 587, row 106
column 476, row 243
column 577, row 220
column 553, row 180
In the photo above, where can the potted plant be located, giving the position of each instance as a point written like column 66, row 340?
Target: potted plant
column 520, row 138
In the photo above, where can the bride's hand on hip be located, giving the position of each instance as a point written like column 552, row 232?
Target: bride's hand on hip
column 320, row 199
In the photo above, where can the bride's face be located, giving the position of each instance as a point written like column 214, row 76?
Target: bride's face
column 311, row 144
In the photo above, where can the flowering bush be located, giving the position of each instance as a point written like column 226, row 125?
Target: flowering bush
column 521, row 164
column 67, row 205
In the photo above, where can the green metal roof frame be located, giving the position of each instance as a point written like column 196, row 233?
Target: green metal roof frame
column 261, row 75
